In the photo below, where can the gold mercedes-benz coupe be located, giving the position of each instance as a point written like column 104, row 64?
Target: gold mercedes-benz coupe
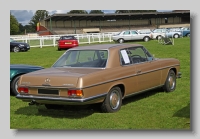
column 104, row 74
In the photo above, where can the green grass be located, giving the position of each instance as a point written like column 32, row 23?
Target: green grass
column 151, row 110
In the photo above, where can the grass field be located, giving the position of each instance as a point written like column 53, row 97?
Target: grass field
column 151, row 110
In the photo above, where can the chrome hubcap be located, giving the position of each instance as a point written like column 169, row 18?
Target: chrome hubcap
column 16, row 86
column 114, row 99
column 16, row 49
column 171, row 81
column 176, row 36
column 120, row 41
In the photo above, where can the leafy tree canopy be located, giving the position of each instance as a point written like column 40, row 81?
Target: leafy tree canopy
column 133, row 11
column 96, row 12
column 14, row 25
column 77, row 12
column 38, row 16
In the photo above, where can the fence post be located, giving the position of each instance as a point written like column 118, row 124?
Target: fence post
column 99, row 38
column 89, row 39
column 77, row 38
column 54, row 40
column 40, row 42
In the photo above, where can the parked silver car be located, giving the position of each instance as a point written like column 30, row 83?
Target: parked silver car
column 128, row 35
column 173, row 34
column 158, row 33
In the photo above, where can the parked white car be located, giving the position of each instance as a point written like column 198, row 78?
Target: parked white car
column 128, row 35
column 158, row 33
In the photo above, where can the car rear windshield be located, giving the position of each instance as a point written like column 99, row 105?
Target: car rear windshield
column 83, row 58
column 67, row 38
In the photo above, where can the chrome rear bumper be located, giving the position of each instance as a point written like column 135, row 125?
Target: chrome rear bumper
column 179, row 75
column 60, row 100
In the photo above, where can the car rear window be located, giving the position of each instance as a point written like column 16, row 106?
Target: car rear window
column 67, row 38
column 83, row 58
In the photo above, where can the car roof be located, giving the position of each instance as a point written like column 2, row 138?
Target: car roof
column 105, row 46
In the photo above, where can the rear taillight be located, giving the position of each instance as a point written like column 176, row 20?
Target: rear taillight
column 75, row 93
column 22, row 89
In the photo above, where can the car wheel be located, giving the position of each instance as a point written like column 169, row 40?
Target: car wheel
column 59, row 49
column 170, row 83
column 14, row 86
column 53, row 106
column 159, row 37
column 113, row 101
column 176, row 36
column 188, row 35
column 146, row 39
column 121, row 40
column 16, row 49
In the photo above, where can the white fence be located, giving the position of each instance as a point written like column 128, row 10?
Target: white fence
column 50, row 40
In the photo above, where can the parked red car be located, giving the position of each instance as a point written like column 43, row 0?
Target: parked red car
column 66, row 42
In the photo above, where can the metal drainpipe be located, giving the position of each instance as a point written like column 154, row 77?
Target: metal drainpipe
column 100, row 24
column 129, row 23
column 50, row 25
column 74, row 27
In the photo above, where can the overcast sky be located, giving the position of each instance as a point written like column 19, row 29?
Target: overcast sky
column 24, row 16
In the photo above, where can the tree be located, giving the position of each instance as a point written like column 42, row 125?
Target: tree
column 96, row 12
column 133, row 11
column 21, row 29
column 29, row 29
column 38, row 16
column 77, row 12
column 14, row 25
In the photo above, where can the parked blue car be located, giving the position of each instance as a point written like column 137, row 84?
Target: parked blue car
column 185, row 32
column 16, row 71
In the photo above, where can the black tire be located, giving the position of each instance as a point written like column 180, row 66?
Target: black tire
column 146, row 39
column 188, row 35
column 176, row 36
column 16, row 49
column 14, row 85
column 113, row 101
column 53, row 106
column 170, row 83
column 121, row 40
column 59, row 49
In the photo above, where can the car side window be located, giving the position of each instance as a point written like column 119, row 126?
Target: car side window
column 137, row 55
column 164, row 30
column 157, row 31
column 134, row 32
column 134, row 55
column 126, row 32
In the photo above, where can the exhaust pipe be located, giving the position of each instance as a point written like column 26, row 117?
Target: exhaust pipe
column 32, row 102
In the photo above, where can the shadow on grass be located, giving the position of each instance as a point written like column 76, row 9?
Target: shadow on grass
column 140, row 96
column 184, row 112
column 71, row 112
column 76, row 112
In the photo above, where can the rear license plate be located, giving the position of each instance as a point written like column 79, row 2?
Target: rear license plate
column 68, row 43
column 48, row 91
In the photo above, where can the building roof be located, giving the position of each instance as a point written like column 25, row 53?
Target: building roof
column 122, row 16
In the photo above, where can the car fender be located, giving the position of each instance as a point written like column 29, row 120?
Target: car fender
column 121, row 85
